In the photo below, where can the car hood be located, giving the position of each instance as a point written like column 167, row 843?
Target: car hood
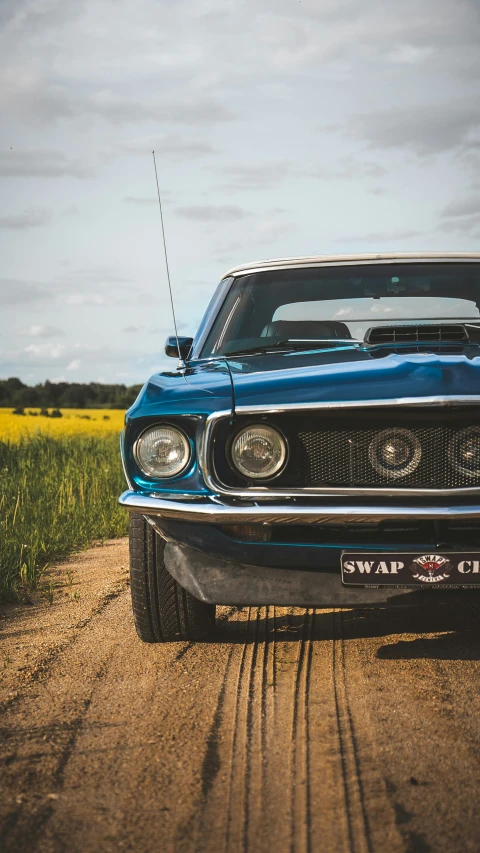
column 349, row 375
column 203, row 388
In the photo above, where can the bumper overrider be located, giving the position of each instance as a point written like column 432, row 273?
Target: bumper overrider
column 212, row 578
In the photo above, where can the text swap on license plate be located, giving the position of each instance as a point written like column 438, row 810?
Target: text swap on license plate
column 410, row 569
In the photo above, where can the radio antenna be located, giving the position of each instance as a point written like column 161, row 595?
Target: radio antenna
column 181, row 363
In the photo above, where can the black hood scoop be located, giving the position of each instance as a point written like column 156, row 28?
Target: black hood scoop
column 423, row 333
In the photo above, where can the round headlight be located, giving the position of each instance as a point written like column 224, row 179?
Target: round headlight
column 258, row 451
column 464, row 451
column 395, row 452
column 162, row 451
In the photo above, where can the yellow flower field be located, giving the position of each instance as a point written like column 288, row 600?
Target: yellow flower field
column 73, row 422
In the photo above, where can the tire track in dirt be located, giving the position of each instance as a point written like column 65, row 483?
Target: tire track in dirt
column 300, row 813
column 359, row 840
column 296, row 731
column 238, row 745
column 290, row 772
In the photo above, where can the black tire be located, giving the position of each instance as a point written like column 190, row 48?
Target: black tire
column 163, row 611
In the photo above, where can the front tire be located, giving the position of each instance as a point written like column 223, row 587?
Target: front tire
column 163, row 611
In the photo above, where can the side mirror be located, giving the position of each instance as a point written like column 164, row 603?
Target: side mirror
column 184, row 345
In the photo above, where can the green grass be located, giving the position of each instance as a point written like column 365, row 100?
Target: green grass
column 57, row 495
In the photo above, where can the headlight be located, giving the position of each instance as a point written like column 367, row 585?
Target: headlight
column 162, row 451
column 395, row 452
column 258, row 451
column 464, row 451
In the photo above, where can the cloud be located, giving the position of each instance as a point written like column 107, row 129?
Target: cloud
column 72, row 358
column 230, row 96
column 258, row 176
column 131, row 330
column 464, row 207
column 422, row 129
column 88, row 299
column 213, row 213
column 95, row 286
column 133, row 199
column 98, row 275
column 351, row 167
column 40, row 163
column 462, row 225
column 263, row 232
column 183, row 109
column 32, row 100
column 31, row 218
column 462, row 216
column 49, row 352
column 17, row 292
column 31, row 16
column 38, row 331
column 380, row 236
column 170, row 145
column 408, row 54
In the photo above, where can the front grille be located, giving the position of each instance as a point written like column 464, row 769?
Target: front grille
column 335, row 450
column 341, row 457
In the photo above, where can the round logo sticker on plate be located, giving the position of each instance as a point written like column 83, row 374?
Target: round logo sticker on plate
column 431, row 568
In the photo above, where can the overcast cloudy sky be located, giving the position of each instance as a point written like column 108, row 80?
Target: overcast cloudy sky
column 281, row 127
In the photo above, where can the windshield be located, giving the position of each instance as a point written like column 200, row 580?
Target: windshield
column 328, row 304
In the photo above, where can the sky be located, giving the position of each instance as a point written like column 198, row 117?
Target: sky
column 281, row 127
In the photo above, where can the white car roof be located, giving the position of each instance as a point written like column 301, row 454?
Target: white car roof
column 332, row 260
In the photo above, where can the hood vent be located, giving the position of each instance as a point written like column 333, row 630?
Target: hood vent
column 424, row 334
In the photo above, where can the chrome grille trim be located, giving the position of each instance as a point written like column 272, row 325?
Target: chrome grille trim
column 206, row 461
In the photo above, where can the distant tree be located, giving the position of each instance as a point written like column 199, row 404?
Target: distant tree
column 61, row 395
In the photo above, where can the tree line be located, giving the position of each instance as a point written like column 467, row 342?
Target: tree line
column 67, row 395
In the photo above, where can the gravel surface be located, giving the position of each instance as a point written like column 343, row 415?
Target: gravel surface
column 295, row 731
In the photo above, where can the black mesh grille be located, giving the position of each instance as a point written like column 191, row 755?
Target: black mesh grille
column 342, row 456
column 339, row 450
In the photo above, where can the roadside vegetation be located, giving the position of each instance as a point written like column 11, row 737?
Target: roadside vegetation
column 60, row 479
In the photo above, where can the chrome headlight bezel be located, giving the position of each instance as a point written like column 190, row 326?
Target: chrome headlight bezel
column 381, row 467
column 280, row 463
column 151, row 473
column 455, row 445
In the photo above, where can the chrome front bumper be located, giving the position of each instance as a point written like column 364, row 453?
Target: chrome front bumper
column 213, row 511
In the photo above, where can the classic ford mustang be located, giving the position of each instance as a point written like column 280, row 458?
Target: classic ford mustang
column 317, row 445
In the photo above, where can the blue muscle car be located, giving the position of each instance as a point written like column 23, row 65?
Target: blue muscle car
column 318, row 443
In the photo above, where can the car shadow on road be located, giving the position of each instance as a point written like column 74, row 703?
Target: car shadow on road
column 448, row 631
column 462, row 645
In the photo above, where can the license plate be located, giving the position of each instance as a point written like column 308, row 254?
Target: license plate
column 411, row 569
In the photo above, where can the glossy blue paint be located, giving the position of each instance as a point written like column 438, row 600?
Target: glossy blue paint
column 184, row 399
column 348, row 375
column 187, row 398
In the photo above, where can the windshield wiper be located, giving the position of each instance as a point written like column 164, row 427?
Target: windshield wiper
column 294, row 344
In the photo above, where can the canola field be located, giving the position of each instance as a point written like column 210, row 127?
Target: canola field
column 72, row 422
column 60, row 478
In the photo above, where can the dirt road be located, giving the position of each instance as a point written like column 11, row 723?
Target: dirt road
column 296, row 732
